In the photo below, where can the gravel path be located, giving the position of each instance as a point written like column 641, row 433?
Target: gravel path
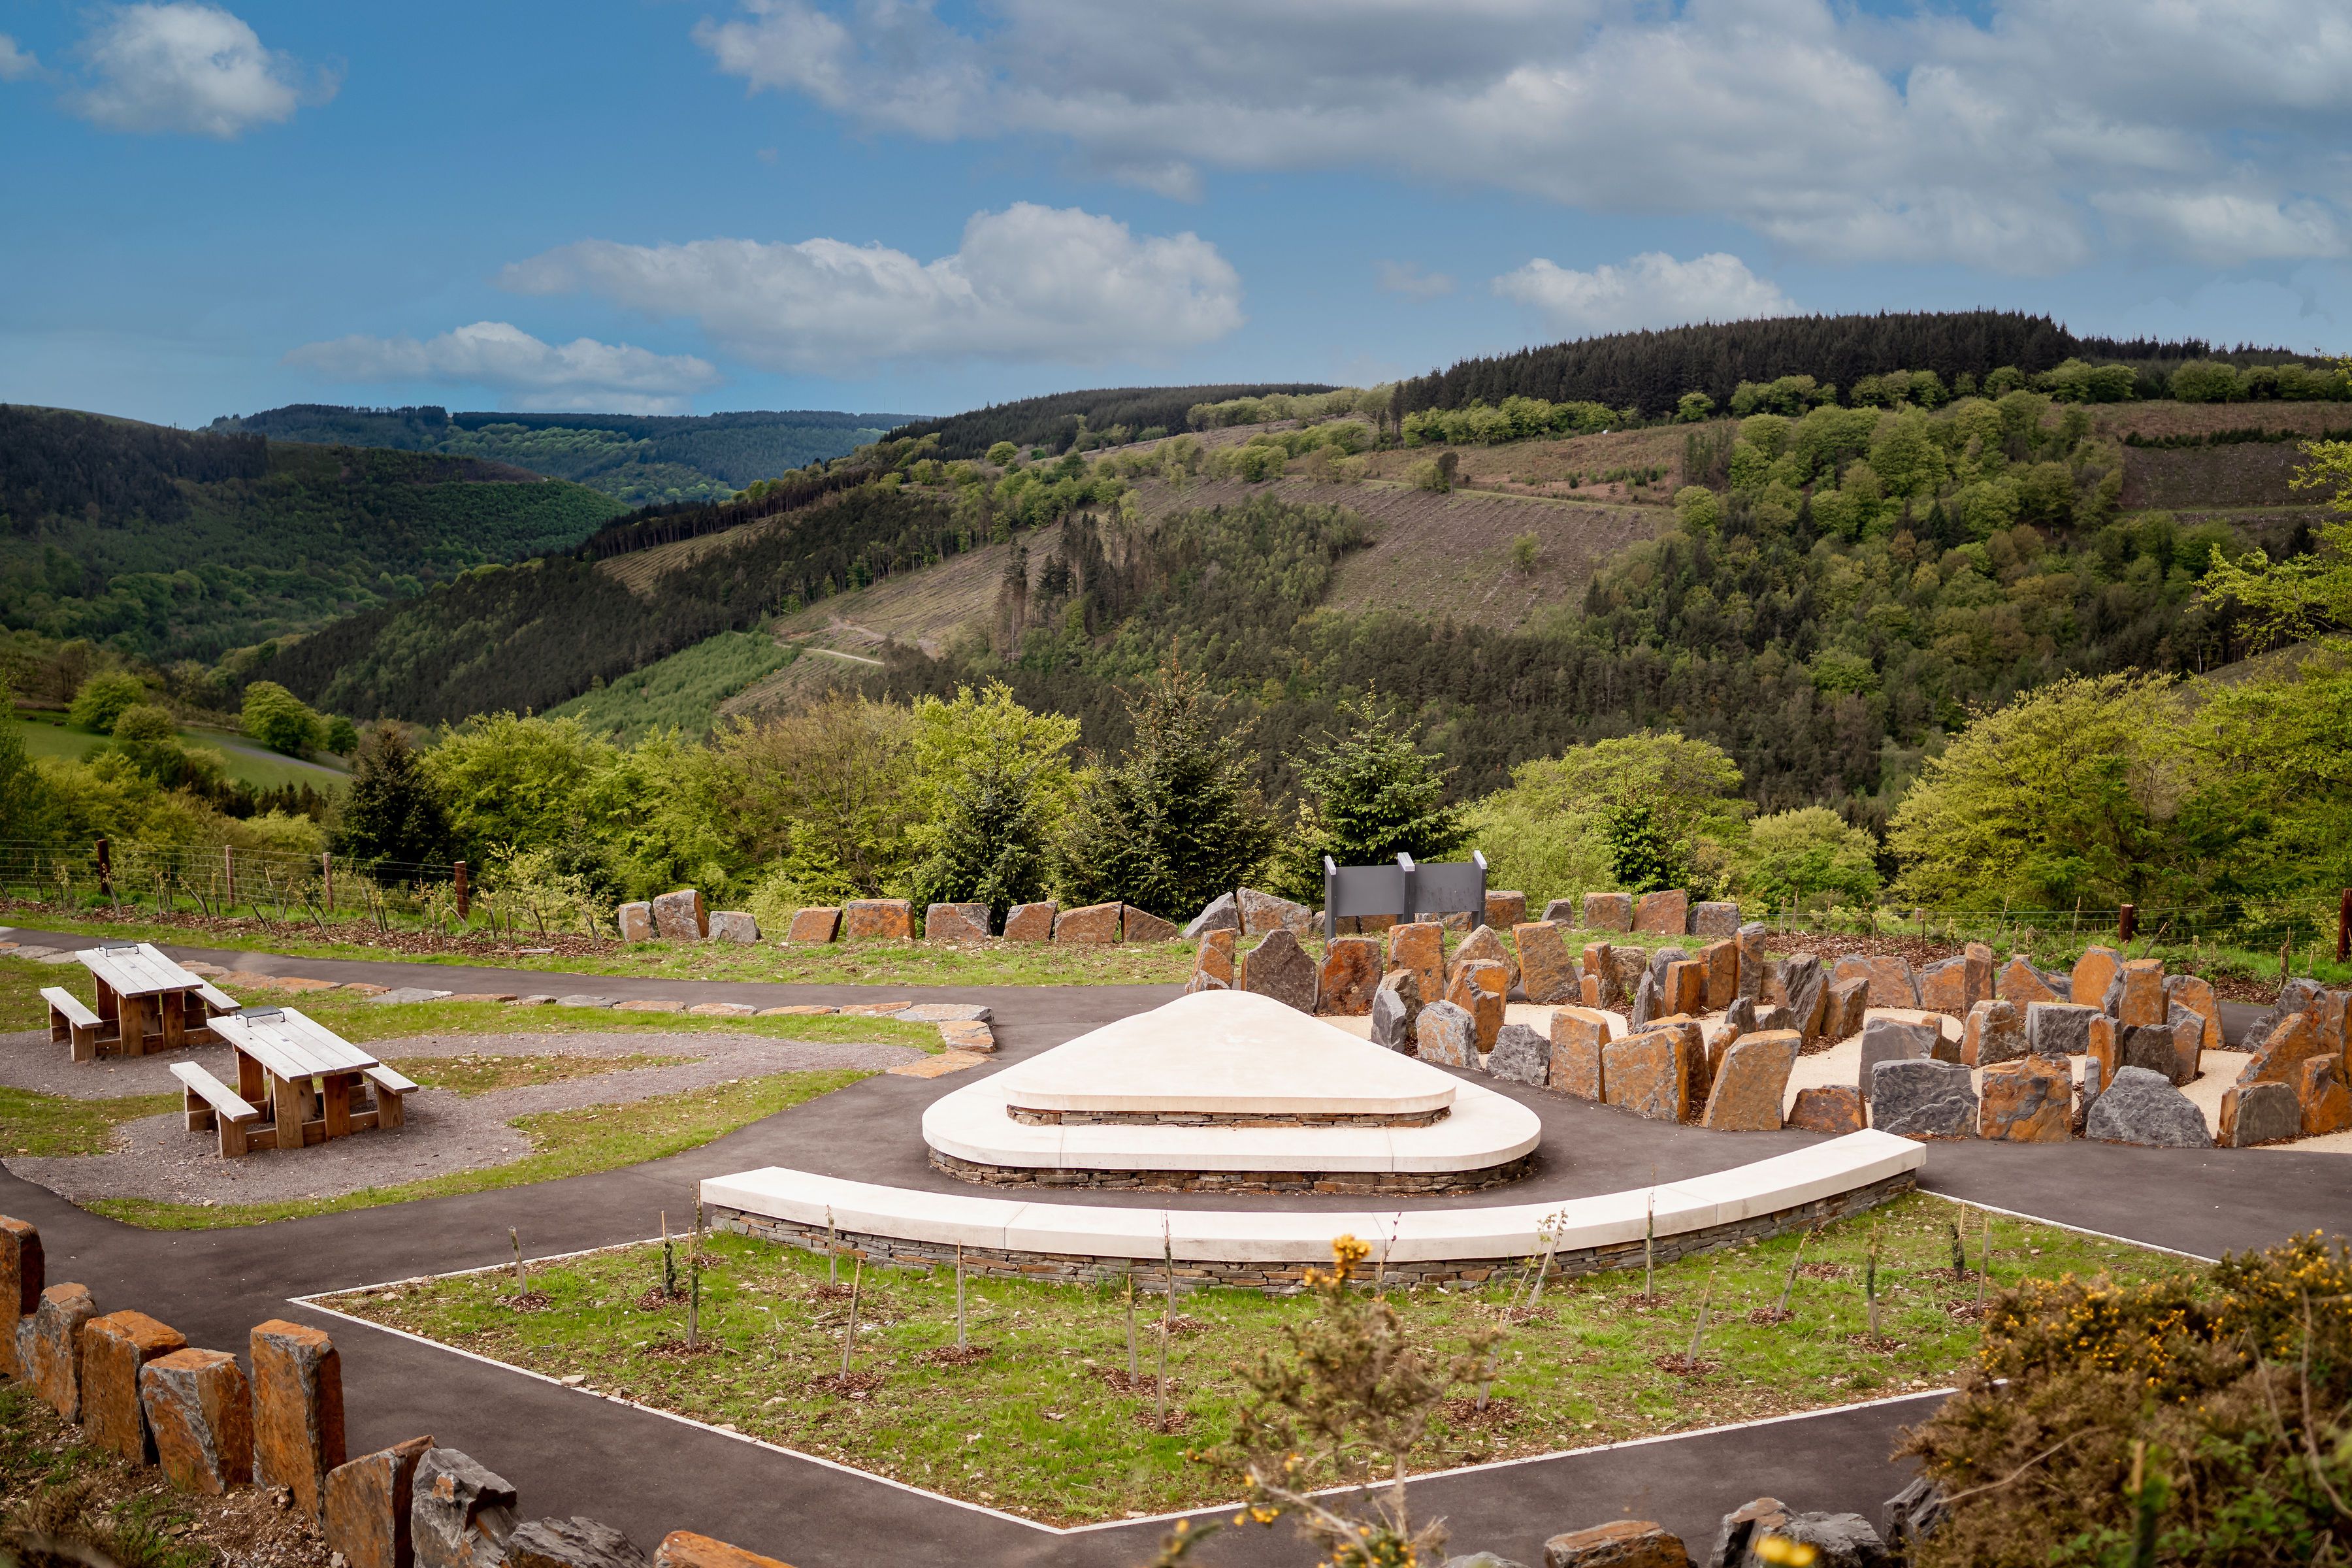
column 158, row 1158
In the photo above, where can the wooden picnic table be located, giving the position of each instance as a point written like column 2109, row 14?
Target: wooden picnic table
column 145, row 1003
column 308, row 1082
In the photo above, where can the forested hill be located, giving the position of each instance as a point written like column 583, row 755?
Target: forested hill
column 175, row 543
column 643, row 460
column 1649, row 370
column 1109, row 416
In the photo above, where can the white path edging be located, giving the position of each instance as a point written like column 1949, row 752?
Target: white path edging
column 1827, row 1169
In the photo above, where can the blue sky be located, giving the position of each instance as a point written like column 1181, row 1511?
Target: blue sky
column 886, row 205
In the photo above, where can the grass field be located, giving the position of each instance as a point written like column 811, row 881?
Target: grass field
column 1046, row 1425
column 243, row 760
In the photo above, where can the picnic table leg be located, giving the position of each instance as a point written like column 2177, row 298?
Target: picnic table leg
column 134, row 1026
column 107, row 1005
column 250, row 1087
column 85, row 1043
column 335, row 1097
column 286, row 1103
column 232, row 1139
column 176, row 1019
column 390, row 1108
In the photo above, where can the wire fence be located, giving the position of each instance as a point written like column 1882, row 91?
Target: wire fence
column 2304, row 929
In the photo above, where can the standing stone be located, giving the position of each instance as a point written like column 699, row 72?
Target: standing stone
column 1715, row 919
column 1751, row 1083
column 21, row 1281
column 369, row 1505
column 1504, row 910
column 1838, row 1540
column 459, row 1515
column 1621, row 1543
column 2135, row 997
column 1918, row 1098
column 1685, row 988
column 1668, row 913
column 2195, row 992
column 1836, row 1110
column 1561, row 912
column 1993, row 1032
column 2257, row 1113
column 1095, row 925
column 1978, row 971
column 1420, row 946
column 1485, row 945
column 635, row 921
column 951, row 922
column 679, row 916
column 1220, row 913
column 1034, row 922
column 1753, row 964
column 1743, row 1528
column 1608, row 911
column 2325, row 1098
column 1263, row 913
column 2088, row 983
column 1396, row 1004
column 1521, row 1055
column 1629, row 964
column 1349, row 974
column 573, row 1543
column 871, row 920
column 113, row 1349
column 2086, row 1092
column 2188, row 1039
column 200, row 1414
column 1600, row 977
column 1547, row 973
column 298, row 1411
column 1890, row 1040
column 1808, row 992
column 1649, row 1074
column 2151, row 1045
column 1578, row 1036
column 2059, row 1028
column 1215, row 959
column 2293, row 1040
column 734, row 925
column 1944, row 986
column 684, row 1548
column 49, row 1347
column 2022, row 982
column 1892, row 984
column 1719, row 962
column 1278, row 967
column 1477, row 989
column 1648, row 1000
column 1912, row 1515
column 1142, row 925
column 2027, row 1100
column 1738, row 1019
column 2141, row 1107
column 1446, row 1034
column 1841, row 1014
column 819, row 923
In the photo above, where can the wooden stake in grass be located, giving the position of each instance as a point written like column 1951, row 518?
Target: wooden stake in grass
column 522, row 1284
column 1551, row 1244
column 849, row 1336
column 1650, row 1242
column 1959, row 1251
column 961, row 1341
column 1984, row 1268
column 694, row 1278
column 1789, row 1285
column 1167, row 1317
column 1134, row 1369
column 832, row 1249
column 670, row 1261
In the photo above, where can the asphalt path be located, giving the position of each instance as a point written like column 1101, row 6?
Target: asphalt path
column 569, row 1452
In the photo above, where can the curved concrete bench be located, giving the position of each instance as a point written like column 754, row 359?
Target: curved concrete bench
column 1273, row 1246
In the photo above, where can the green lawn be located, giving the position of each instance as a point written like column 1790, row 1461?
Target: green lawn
column 1042, row 1426
column 244, row 760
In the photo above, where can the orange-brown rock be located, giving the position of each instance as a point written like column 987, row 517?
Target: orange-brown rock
column 2295, row 1039
column 1600, row 975
column 1993, row 1032
column 1751, row 1081
column 2022, row 982
column 1577, row 1034
column 1547, row 973
column 1477, row 988
column 877, row 920
column 1142, row 925
column 684, row 1548
column 1030, row 923
column 113, row 1349
column 1608, row 911
column 1504, row 910
column 1718, row 964
column 1842, row 1010
column 2195, row 992
column 1588, row 990
column 2028, row 1100
column 818, row 923
column 2139, row 993
column 1979, row 974
column 200, row 1416
column 1668, row 913
column 1836, row 1110
column 21, row 1282
column 49, row 1347
column 2326, row 1100
column 1094, row 925
column 1485, row 945
column 298, row 1411
column 368, row 1506
column 1620, row 1543
column 1349, row 974
column 2091, row 972
column 1215, row 957
column 1890, row 979
column 1684, row 987
column 1420, row 946
column 1649, row 1074
column 1943, row 985
column 955, row 923
column 2105, row 1046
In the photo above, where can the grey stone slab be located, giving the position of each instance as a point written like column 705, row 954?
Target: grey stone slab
column 1923, row 1097
column 573, row 1543
column 1221, row 915
column 1521, row 1055
column 409, row 994
column 1890, row 1040
column 2058, row 1028
column 583, row 1000
column 1395, row 1006
column 2267, row 1113
column 944, row 1013
column 2142, row 1106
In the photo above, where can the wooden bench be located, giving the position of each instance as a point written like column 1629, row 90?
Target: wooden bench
column 218, row 1000
column 71, row 1024
column 207, row 1100
column 389, row 1088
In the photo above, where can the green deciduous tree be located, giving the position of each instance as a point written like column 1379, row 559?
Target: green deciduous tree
column 1551, row 833
column 146, row 733
column 103, row 696
column 511, row 783
column 820, row 798
column 2308, row 595
column 1793, row 857
column 281, row 720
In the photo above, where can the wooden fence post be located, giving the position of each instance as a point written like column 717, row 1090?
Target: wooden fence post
column 2127, row 922
column 105, row 869
column 465, row 900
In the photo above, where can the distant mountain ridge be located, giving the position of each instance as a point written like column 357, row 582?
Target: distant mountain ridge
column 641, row 459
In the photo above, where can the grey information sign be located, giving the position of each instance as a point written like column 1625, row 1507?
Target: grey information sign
column 1405, row 889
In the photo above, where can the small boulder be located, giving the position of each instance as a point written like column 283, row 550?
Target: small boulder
column 734, row 925
column 1521, row 1055
column 1911, row 1515
column 2088, row 983
column 1943, row 986
column 573, row 1543
column 1806, row 987
column 1892, row 1039
column 2258, row 1113
column 1420, row 946
column 460, row 1515
column 1578, row 1036
column 49, row 1347
column 1034, row 922
column 2022, row 982
column 1684, row 988
column 1547, row 973
column 1923, row 1098
column 1754, row 967
column 2292, row 1038
column 1396, row 1004
column 1608, row 911
column 2144, row 1108
column 1446, row 1034
column 635, row 922
column 1485, row 945
column 1648, row 1000
column 1843, row 1008
column 818, row 924
column 1715, row 919
column 1751, row 1083
column 955, row 923
column 2059, row 1028
column 2150, row 1045
column 1506, row 910
column 200, row 1413
column 1263, row 913
column 1220, row 913
column 1666, row 913
column 2027, row 1100
column 1215, row 959
column 1719, row 962
column 877, row 920
column 1094, row 925
column 1836, row 1110
column 371, row 1505
column 1350, row 973
column 1278, row 967
column 2326, row 1100
column 679, row 916
column 1621, row 1543
column 2135, row 996
column 1142, row 925
column 1477, row 989
column 1650, row 1074
column 1628, row 965
column 114, row 1348
column 1892, row 984
column 1561, row 912
column 1993, row 1032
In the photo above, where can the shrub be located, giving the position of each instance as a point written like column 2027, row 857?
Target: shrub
column 281, row 720
column 103, row 699
column 1793, row 857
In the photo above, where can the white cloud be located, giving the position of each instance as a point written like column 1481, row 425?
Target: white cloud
column 2222, row 229
column 610, row 378
column 1994, row 141
column 1030, row 283
column 1653, row 289
column 1406, row 279
column 16, row 63
column 187, row 67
